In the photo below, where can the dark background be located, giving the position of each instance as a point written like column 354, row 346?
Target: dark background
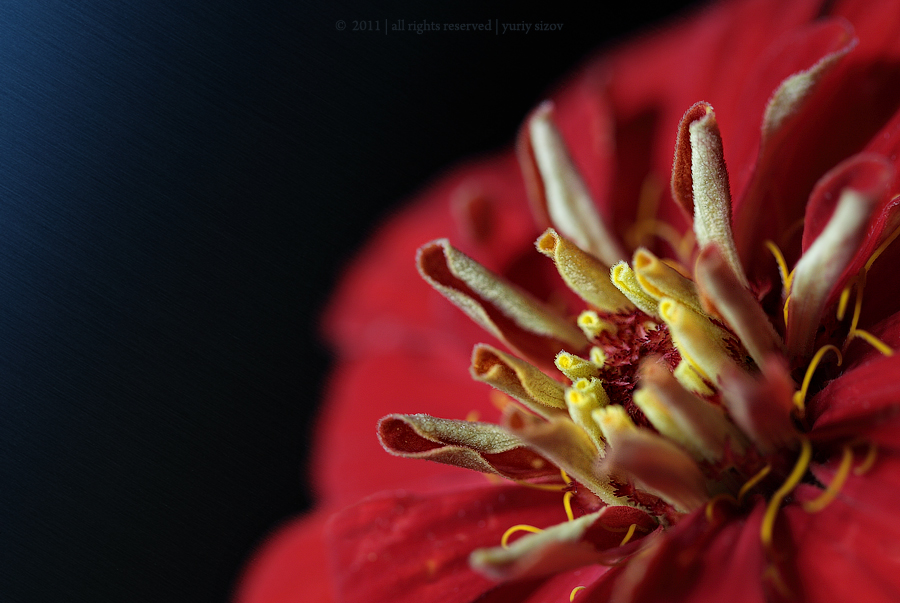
column 180, row 184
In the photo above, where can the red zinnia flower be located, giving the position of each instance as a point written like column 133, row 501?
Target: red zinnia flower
column 689, row 419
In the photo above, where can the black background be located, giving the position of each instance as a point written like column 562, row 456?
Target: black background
column 180, row 184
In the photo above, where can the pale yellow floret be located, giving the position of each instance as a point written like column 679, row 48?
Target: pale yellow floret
column 594, row 387
column 598, row 357
column 613, row 420
column 698, row 340
column 660, row 280
column 581, row 404
column 691, row 380
column 624, row 279
column 659, row 416
column 592, row 325
column 574, row 367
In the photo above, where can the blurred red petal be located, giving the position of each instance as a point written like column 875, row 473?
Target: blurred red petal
column 846, row 552
column 406, row 548
column 291, row 566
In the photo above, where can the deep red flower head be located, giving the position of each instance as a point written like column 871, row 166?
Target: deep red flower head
column 695, row 392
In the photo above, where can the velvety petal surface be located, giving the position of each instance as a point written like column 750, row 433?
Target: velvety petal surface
column 400, row 547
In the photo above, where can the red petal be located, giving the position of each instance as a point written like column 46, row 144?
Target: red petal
column 700, row 562
column 368, row 313
column 290, row 566
column 348, row 462
column 400, row 547
column 857, row 402
column 845, row 552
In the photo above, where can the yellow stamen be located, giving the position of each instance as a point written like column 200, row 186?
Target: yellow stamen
column 711, row 505
column 765, row 532
column 822, row 501
column 575, row 591
column 628, row 534
column 857, row 306
column 752, row 482
column 868, row 461
column 873, row 341
column 566, row 477
column 567, row 503
column 800, row 396
column 845, row 297
column 782, row 266
column 881, row 248
column 517, row 528
column 787, row 302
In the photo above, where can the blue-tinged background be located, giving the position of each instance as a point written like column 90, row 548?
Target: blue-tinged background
column 180, row 182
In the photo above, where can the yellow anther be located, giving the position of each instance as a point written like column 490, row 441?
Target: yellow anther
column 800, row 396
column 873, row 341
column 711, row 505
column 765, row 532
column 575, row 591
column 592, row 325
column 817, row 504
column 868, row 462
column 504, row 540
column 786, row 275
column 628, row 534
column 752, row 482
column 567, row 503
column 597, row 357
column 473, row 416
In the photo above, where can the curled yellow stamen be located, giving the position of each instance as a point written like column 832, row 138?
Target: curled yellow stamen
column 567, row 503
column 822, row 501
column 873, row 341
column 711, row 505
column 565, row 476
column 752, row 482
column 765, row 531
column 867, row 463
column 881, row 248
column 504, row 541
column 575, row 591
column 787, row 302
column 857, row 304
column 628, row 534
column 782, row 266
column 800, row 396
